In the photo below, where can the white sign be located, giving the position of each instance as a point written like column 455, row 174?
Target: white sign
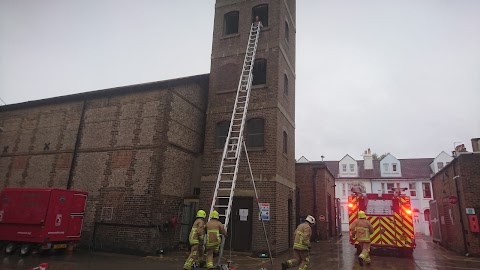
column 470, row 211
column 265, row 211
column 243, row 214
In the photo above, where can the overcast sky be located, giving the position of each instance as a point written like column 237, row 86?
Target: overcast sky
column 396, row 76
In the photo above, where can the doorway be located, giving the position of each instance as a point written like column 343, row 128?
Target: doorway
column 240, row 225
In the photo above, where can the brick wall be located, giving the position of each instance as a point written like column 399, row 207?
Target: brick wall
column 467, row 167
column 316, row 205
column 135, row 156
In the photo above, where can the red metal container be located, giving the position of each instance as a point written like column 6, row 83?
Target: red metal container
column 50, row 217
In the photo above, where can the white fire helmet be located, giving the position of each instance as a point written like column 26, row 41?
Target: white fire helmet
column 310, row 219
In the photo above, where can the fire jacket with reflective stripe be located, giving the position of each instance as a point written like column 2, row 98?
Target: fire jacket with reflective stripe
column 197, row 232
column 214, row 229
column 362, row 229
column 302, row 237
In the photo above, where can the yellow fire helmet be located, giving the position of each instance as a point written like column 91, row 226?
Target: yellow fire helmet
column 361, row 214
column 215, row 214
column 201, row 214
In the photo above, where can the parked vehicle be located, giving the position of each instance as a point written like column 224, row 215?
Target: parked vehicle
column 391, row 217
column 41, row 219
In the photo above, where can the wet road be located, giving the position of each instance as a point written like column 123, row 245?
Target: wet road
column 337, row 254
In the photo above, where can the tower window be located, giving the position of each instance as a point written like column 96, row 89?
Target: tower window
column 221, row 133
column 230, row 25
column 287, row 32
column 262, row 12
column 255, row 132
column 285, row 85
column 285, row 141
column 260, row 72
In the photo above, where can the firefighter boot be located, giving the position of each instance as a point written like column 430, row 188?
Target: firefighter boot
column 360, row 260
column 284, row 266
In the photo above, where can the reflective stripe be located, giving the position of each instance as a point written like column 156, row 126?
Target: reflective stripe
column 300, row 244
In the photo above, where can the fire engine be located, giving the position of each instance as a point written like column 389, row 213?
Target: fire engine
column 391, row 217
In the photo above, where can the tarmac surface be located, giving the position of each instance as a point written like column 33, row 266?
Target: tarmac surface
column 335, row 254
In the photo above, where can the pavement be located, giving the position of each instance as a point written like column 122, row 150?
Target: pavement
column 334, row 254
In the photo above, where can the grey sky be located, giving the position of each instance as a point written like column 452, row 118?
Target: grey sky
column 395, row 76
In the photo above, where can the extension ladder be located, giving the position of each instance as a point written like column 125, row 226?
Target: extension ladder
column 228, row 172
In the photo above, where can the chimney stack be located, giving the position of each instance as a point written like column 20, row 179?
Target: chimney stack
column 368, row 160
column 476, row 145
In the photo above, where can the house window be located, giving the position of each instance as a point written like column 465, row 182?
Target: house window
column 260, row 72
column 413, row 189
column 385, row 167
column 344, row 167
column 287, row 32
column 262, row 12
column 427, row 192
column 230, row 25
column 344, row 192
column 394, row 167
column 255, row 132
column 221, row 133
column 390, row 186
column 352, row 167
column 285, row 85
column 440, row 165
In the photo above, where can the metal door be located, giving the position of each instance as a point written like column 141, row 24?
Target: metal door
column 435, row 222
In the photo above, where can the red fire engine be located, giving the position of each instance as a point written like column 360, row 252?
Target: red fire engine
column 391, row 217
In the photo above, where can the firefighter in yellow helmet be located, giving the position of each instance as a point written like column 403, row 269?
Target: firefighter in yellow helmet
column 214, row 229
column 196, row 240
column 301, row 246
column 361, row 230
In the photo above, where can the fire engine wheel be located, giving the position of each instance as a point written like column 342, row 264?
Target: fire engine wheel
column 407, row 252
column 25, row 249
column 10, row 248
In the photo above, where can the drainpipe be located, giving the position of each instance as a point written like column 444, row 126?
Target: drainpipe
column 77, row 145
column 314, row 189
column 460, row 210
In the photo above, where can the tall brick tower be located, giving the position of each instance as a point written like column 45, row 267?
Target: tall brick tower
column 270, row 126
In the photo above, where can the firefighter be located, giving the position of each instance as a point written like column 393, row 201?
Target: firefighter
column 301, row 246
column 214, row 229
column 196, row 240
column 361, row 231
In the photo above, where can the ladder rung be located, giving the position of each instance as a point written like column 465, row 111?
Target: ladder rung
column 223, row 197
column 221, row 206
column 224, row 188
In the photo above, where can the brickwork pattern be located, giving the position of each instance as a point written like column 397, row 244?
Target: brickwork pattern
column 467, row 167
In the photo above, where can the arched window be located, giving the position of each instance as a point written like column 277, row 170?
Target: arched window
column 285, row 141
column 259, row 72
column 230, row 23
column 221, row 133
column 287, row 33
column 262, row 12
column 255, row 132
column 285, row 85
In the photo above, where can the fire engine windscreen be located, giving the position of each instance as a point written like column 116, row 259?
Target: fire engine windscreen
column 379, row 207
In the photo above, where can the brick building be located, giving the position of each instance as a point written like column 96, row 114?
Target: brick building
column 270, row 134
column 122, row 145
column 450, row 222
column 316, row 197
column 148, row 154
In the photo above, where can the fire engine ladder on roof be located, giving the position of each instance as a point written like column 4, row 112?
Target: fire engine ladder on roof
column 228, row 172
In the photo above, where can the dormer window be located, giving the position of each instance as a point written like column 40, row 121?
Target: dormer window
column 352, row 168
column 385, row 167
column 344, row 167
column 394, row 167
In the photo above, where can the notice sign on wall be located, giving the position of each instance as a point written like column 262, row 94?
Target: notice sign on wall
column 265, row 211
